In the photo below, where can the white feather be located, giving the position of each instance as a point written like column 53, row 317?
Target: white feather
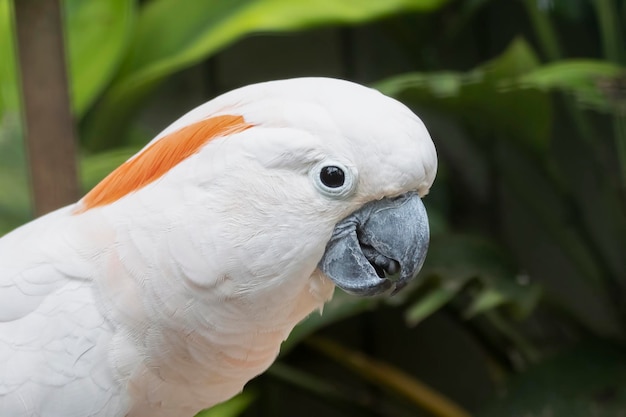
column 170, row 299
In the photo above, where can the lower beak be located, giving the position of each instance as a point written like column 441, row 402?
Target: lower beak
column 380, row 247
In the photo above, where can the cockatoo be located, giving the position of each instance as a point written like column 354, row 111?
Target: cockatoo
column 174, row 281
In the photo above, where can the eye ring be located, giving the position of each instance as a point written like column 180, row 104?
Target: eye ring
column 333, row 178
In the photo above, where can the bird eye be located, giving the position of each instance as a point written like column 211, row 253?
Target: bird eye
column 332, row 176
column 334, row 179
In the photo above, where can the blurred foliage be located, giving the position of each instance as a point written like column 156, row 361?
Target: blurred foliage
column 585, row 381
column 389, row 377
column 198, row 29
column 231, row 408
column 528, row 214
column 105, row 25
column 458, row 262
column 484, row 98
column 566, row 195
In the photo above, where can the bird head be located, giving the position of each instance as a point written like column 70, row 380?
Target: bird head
column 282, row 178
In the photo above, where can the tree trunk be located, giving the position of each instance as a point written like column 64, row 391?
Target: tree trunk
column 49, row 126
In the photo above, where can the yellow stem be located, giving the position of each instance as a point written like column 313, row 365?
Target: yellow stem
column 389, row 377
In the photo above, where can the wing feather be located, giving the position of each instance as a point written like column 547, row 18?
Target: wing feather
column 53, row 338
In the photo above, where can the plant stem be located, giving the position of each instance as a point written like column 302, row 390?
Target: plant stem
column 390, row 377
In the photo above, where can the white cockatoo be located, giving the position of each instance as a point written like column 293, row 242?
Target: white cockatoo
column 175, row 280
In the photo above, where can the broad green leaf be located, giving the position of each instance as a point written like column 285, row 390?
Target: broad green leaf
column 594, row 84
column 586, row 381
column 231, row 408
column 174, row 34
column 97, row 32
column 9, row 90
column 485, row 98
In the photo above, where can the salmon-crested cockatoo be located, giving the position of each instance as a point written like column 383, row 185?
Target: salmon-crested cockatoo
column 174, row 281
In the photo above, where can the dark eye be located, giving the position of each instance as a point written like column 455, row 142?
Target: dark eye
column 332, row 176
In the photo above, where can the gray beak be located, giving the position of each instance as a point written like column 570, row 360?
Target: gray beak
column 381, row 246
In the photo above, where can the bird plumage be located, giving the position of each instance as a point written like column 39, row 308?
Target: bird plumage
column 173, row 282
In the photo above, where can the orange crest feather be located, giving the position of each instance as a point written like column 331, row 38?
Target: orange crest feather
column 158, row 158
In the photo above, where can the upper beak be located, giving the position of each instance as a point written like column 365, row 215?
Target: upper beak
column 379, row 247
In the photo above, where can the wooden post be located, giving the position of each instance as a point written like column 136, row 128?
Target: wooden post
column 49, row 126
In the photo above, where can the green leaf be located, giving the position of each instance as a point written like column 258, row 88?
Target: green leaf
column 454, row 262
column 98, row 32
column 175, row 34
column 487, row 299
column 9, row 89
column 14, row 186
column 586, row 381
column 486, row 98
column 594, row 84
column 429, row 304
column 231, row 408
